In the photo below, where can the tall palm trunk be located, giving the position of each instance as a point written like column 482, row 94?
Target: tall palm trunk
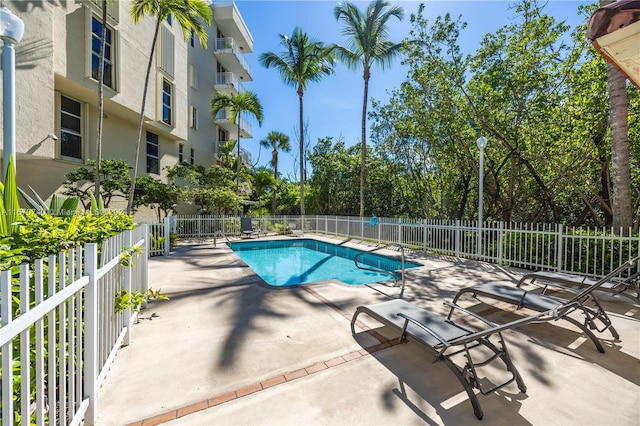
column 141, row 121
column 274, row 160
column 620, row 169
column 238, row 160
column 619, row 122
column 300, row 94
column 103, row 41
column 363, row 148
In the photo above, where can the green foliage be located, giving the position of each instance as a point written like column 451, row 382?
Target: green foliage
column 136, row 299
column 535, row 90
column 115, row 181
column 156, row 194
column 128, row 254
column 212, row 187
column 42, row 234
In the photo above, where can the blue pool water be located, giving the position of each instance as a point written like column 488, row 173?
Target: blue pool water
column 292, row 262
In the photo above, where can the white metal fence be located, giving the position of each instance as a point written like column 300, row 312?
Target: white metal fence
column 592, row 252
column 60, row 332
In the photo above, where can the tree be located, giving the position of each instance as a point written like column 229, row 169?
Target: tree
column 304, row 60
column 237, row 104
column 620, row 169
column 368, row 44
column 190, row 15
column 154, row 193
column 210, row 187
column 103, row 40
column 114, row 180
column 276, row 141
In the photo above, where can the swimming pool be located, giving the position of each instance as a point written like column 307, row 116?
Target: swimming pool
column 292, row 262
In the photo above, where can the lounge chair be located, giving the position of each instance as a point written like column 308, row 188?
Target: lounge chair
column 628, row 287
column 445, row 339
column 583, row 301
column 246, row 227
column 295, row 232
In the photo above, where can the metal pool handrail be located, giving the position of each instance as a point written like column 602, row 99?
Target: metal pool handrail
column 395, row 280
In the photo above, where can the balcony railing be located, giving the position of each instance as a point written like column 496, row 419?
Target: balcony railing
column 228, row 80
column 224, row 117
column 227, row 45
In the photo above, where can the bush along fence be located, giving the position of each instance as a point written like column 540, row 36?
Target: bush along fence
column 61, row 329
column 587, row 251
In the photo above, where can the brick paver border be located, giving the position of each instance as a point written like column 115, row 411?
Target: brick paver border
column 384, row 343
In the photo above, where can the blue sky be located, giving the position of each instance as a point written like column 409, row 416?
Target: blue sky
column 333, row 106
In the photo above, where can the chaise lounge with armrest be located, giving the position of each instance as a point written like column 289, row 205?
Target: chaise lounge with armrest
column 538, row 299
column 445, row 339
column 628, row 287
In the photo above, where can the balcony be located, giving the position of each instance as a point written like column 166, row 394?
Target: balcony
column 223, row 120
column 231, row 56
column 229, row 21
column 228, row 83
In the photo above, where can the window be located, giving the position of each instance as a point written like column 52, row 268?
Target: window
column 153, row 161
column 96, row 33
column 70, row 128
column 192, row 159
column 180, row 153
column 167, row 91
column 193, row 117
column 192, row 39
column 193, row 77
column 169, row 19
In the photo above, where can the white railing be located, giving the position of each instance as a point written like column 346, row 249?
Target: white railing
column 592, row 252
column 60, row 332
column 229, row 45
column 229, row 79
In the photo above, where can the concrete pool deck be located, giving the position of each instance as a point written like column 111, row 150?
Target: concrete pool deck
column 227, row 349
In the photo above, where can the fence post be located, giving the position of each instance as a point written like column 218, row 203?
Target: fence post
column 425, row 235
column 91, row 331
column 457, row 237
column 7, row 350
column 500, row 241
column 559, row 246
column 146, row 255
column 127, row 286
column 167, row 235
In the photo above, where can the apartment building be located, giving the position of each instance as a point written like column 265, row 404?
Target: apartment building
column 56, row 89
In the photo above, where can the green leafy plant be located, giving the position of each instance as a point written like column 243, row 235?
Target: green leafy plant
column 58, row 206
column 136, row 299
column 127, row 255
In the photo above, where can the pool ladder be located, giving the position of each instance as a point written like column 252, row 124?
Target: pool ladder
column 395, row 279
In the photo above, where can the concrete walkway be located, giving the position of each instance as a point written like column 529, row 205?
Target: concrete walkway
column 228, row 349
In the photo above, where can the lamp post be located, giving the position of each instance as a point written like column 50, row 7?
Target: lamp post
column 11, row 32
column 482, row 144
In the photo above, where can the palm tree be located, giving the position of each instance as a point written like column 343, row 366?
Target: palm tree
column 302, row 61
column 103, row 41
column 237, row 104
column 368, row 44
column 620, row 168
column 276, row 141
column 191, row 15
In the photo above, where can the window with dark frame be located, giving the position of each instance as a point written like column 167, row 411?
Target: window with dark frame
column 192, row 39
column 96, row 33
column 70, row 128
column 192, row 159
column 180, row 153
column 167, row 94
column 194, row 118
column 153, row 159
